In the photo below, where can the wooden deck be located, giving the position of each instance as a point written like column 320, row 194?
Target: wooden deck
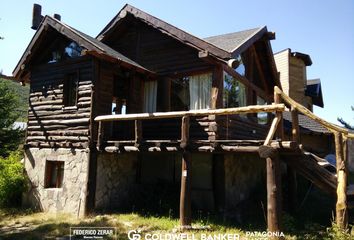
column 272, row 148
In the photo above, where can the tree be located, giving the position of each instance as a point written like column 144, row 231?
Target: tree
column 346, row 124
column 10, row 138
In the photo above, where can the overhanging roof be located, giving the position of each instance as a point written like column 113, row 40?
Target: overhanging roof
column 92, row 46
column 165, row 28
column 314, row 90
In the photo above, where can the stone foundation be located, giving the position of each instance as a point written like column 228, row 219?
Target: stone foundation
column 243, row 174
column 116, row 177
column 71, row 197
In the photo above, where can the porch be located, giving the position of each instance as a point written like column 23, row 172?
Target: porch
column 273, row 149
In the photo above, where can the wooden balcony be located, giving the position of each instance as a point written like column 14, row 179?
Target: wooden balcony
column 198, row 130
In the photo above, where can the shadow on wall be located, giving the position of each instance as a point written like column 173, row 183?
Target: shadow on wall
column 31, row 197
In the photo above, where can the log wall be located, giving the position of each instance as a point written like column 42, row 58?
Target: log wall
column 50, row 124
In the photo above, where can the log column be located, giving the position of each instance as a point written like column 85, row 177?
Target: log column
column 185, row 207
column 273, row 193
column 341, row 205
column 291, row 173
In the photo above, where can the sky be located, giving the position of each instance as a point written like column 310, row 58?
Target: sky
column 324, row 29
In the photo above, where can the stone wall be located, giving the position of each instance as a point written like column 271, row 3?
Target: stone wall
column 71, row 197
column 243, row 173
column 116, row 177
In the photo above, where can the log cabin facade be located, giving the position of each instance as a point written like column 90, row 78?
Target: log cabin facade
column 144, row 104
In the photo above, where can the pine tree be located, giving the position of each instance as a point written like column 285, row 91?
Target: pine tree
column 346, row 124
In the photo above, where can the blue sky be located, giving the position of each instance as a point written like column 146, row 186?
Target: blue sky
column 323, row 29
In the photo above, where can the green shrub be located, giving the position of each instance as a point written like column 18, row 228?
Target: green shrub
column 12, row 180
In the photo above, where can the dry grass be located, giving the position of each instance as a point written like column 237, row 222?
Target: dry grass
column 16, row 224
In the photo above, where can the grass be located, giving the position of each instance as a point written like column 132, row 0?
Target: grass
column 24, row 224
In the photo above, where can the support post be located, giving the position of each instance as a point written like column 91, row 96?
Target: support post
column 184, row 132
column 291, row 173
column 280, row 130
column 341, row 205
column 100, row 135
column 273, row 193
column 138, row 132
column 185, row 207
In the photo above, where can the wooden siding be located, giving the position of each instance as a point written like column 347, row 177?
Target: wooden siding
column 49, row 123
column 282, row 63
column 155, row 50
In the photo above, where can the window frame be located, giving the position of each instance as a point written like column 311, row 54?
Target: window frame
column 67, row 84
column 54, row 169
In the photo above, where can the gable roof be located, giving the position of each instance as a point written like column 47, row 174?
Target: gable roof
column 165, row 28
column 93, row 46
column 314, row 90
column 237, row 42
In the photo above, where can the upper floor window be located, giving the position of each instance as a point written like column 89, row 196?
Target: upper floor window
column 191, row 92
column 262, row 117
column 70, row 87
column 234, row 92
column 72, row 50
column 240, row 69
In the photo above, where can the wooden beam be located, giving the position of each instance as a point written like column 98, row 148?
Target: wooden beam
column 273, row 194
column 331, row 127
column 138, row 130
column 100, row 138
column 341, row 205
column 185, row 208
column 247, row 83
column 216, row 100
column 259, row 68
column 203, row 112
column 279, row 114
column 184, row 132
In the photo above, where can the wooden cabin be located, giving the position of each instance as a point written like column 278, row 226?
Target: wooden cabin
column 115, row 119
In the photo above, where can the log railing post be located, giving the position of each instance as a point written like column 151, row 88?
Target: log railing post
column 184, row 131
column 280, row 131
column 100, row 135
column 341, row 205
column 138, row 132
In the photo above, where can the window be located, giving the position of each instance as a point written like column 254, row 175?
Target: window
column 191, row 92
column 234, row 92
column 200, row 88
column 54, row 173
column 240, row 68
column 70, row 87
column 150, row 94
column 262, row 117
column 180, row 94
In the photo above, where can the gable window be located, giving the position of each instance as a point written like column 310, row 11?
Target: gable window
column 240, row 68
column 234, row 92
column 70, row 87
column 54, row 174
